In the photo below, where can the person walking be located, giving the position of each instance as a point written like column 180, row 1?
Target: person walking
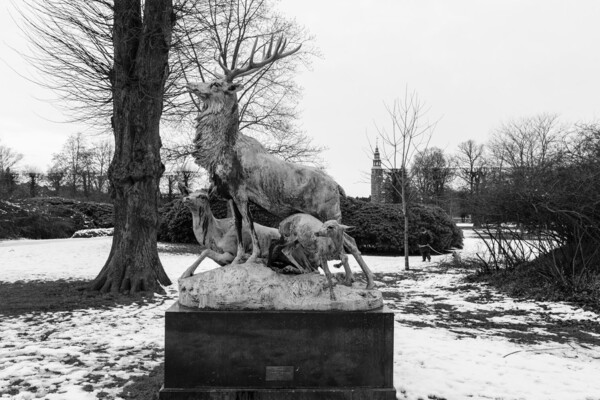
column 424, row 240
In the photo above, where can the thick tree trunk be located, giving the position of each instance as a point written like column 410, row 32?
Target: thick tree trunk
column 141, row 48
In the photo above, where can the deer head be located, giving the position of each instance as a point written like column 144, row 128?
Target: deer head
column 215, row 95
column 333, row 230
column 220, row 93
column 194, row 200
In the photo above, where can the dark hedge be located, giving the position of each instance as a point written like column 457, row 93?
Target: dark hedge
column 378, row 227
column 51, row 217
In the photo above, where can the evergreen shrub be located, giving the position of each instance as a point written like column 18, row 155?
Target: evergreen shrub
column 51, row 217
column 378, row 228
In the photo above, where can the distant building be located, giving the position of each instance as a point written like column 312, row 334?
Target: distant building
column 383, row 182
column 376, row 178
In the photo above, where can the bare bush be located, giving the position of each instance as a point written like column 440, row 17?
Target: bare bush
column 546, row 205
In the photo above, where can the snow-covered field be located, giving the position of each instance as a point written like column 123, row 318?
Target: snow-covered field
column 453, row 340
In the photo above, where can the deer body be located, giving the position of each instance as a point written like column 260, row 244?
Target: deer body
column 239, row 163
column 208, row 230
column 217, row 236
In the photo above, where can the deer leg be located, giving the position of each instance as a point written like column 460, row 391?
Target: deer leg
column 349, row 277
column 190, row 271
column 328, row 276
column 350, row 247
column 247, row 218
column 273, row 249
column 238, row 230
column 219, row 258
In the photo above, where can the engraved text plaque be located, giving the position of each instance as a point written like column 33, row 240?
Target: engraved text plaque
column 279, row 373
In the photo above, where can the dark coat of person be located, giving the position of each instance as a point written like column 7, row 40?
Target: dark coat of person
column 424, row 238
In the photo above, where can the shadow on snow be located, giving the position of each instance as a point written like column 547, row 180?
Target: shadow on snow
column 23, row 297
column 519, row 325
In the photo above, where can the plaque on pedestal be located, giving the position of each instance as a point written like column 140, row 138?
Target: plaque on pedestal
column 275, row 354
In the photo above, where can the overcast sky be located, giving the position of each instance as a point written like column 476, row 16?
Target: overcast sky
column 475, row 63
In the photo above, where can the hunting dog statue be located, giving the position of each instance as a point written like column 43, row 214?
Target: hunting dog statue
column 309, row 243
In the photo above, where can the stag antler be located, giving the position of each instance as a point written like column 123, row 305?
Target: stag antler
column 270, row 55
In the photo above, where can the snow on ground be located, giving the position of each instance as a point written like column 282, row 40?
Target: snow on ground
column 453, row 339
column 90, row 233
column 80, row 258
column 76, row 355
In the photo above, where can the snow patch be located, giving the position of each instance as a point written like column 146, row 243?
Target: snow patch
column 89, row 233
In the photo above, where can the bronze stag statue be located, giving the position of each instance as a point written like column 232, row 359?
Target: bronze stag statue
column 243, row 171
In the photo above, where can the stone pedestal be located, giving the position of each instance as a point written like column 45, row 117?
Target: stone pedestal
column 274, row 354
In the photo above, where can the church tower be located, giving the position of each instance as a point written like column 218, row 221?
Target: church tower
column 376, row 178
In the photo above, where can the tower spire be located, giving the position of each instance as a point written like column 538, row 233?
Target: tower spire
column 376, row 155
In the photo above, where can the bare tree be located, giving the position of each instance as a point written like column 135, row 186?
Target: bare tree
column 525, row 153
column 8, row 182
column 217, row 36
column 34, row 174
column 72, row 48
column 470, row 163
column 171, row 181
column 295, row 146
column 431, row 173
column 55, row 177
column 8, row 158
column 185, row 171
column 109, row 61
column 84, row 164
column 527, row 146
column 101, row 154
column 72, row 159
column 408, row 134
column 87, row 172
column 472, row 167
column 179, row 168
column 585, row 142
